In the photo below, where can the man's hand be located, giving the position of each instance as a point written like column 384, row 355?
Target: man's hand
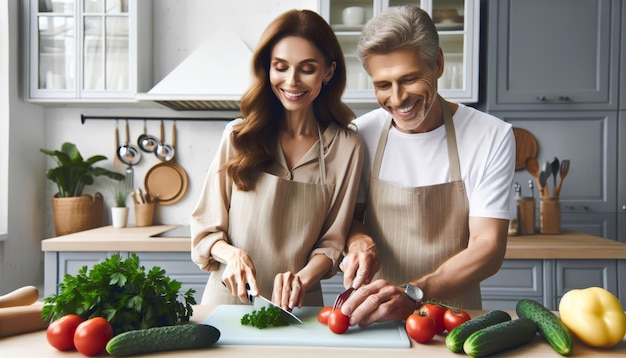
column 361, row 262
column 377, row 301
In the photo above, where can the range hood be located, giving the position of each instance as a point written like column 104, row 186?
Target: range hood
column 213, row 77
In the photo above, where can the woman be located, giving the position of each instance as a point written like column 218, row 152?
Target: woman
column 279, row 196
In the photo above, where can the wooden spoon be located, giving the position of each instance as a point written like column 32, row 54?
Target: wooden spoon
column 532, row 167
column 562, row 174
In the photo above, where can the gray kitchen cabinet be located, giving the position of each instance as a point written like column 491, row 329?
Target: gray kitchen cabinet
column 589, row 140
column 87, row 51
column 177, row 266
column 553, row 54
column 577, row 274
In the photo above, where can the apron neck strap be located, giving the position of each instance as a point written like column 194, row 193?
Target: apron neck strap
column 453, row 153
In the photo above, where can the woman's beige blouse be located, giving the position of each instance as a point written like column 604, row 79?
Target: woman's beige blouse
column 343, row 158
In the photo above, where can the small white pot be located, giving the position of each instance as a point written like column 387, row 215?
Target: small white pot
column 119, row 216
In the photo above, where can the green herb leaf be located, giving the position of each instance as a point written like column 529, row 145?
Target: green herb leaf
column 124, row 293
column 264, row 318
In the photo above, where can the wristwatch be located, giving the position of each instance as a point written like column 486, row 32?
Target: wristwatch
column 413, row 292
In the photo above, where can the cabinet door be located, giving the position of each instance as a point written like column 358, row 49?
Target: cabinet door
column 553, row 54
column 589, row 141
column 514, row 280
column 576, row 274
column 458, row 24
column 598, row 224
column 83, row 50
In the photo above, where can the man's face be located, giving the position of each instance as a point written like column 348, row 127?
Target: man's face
column 406, row 86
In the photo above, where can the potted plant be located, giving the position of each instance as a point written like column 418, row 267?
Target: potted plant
column 73, row 211
column 119, row 212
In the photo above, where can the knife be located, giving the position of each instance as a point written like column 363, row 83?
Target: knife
column 260, row 301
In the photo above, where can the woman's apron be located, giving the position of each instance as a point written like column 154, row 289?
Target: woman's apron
column 417, row 229
column 278, row 224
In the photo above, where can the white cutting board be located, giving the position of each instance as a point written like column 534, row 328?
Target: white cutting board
column 227, row 318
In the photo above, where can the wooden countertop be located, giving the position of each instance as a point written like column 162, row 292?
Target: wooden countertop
column 34, row 344
column 567, row 245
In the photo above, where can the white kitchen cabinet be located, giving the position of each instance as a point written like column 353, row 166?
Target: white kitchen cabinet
column 458, row 37
column 87, row 50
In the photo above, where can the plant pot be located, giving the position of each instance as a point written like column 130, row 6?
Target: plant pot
column 119, row 216
column 77, row 213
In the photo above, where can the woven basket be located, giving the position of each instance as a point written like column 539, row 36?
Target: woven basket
column 76, row 214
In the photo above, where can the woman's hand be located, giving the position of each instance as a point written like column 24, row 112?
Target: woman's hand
column 288, row 291
column 239, row 271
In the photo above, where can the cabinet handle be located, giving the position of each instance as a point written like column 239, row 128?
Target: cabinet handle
column 542, row 98
column 624, row 207
column 564, row 98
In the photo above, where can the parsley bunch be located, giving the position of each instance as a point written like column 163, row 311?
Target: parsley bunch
column 122, row 292
column 263, row 318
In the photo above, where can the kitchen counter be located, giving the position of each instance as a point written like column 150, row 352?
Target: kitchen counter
column 567, row 245
column 34, row 344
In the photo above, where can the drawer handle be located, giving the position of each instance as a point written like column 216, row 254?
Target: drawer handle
column 564, row 98
column 542, row 98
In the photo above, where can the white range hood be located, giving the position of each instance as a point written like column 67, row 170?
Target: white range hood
column 213, row 77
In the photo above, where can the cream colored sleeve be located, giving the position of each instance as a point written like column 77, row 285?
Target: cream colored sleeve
column 349, row 155
column 209, row 219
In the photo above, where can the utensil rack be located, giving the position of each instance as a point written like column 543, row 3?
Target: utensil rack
column 84, row 118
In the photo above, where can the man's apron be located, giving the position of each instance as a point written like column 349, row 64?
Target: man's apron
column 417, row 229
column 278, row 224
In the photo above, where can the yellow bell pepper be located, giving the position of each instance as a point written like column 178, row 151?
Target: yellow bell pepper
column 594, row 315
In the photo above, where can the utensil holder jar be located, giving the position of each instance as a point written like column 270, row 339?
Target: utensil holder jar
column 144, row 214
column 526, row 215
column 550, row 215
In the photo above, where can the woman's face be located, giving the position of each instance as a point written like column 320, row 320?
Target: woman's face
column 297, row 71
column 406, row 86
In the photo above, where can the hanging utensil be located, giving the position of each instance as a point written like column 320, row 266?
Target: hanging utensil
column 117, row 166
column 555, row 165
column 146, row 142
column 562, row 174
column 164, row 152
column 128, row 153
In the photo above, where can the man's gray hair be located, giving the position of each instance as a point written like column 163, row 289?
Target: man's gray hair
column 400, row 27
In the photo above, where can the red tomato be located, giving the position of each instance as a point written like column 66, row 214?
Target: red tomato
column 322, row 317
column 92, row 336
column 420, row 327
column 60, row 333
column 435, row 312
column 453, row 318
column 338, row 322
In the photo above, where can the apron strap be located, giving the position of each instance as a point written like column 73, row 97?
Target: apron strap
column 453, row 153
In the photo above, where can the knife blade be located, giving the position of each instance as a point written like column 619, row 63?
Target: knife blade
column 260, row 301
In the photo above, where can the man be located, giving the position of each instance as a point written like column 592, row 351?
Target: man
column 436, row 187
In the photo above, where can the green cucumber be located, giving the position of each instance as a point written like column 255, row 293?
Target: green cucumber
column 162, row 339
column 550, row 326
column 456, row 337
column 500, row 337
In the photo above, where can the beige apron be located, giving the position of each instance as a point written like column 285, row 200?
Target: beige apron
column 278, row 224
column 417, row 229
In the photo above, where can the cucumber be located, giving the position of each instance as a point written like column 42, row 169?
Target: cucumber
column 456, row 337
column 500, row 337
column 550, row 326
column 162, row 339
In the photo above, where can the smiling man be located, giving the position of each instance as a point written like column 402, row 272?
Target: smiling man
column 434, row 201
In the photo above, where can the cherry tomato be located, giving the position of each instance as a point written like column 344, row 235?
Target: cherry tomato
column 453, row 318
column 60, row 333
column 420, row 327
column 338, row 322
column 435, row 312
column 91, row 336
column 322, row 317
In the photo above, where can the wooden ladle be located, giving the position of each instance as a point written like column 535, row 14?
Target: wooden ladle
column 532, row 167
column 562, row 174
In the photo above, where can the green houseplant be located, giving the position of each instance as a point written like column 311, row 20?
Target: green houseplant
column 119, row 211
column 72, row 210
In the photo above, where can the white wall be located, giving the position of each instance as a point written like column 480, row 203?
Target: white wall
column 179, row 27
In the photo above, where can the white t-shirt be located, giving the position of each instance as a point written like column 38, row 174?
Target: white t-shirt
column 486, row 148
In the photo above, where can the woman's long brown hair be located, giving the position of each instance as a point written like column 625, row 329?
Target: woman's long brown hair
column 255, row 138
